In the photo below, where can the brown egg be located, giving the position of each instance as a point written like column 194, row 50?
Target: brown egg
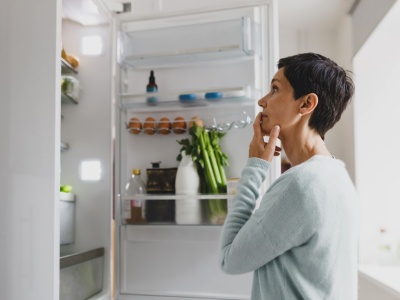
column 197, row 120
column 134, row 126
column 164, row 126
column 179, row 125
column 149, row 126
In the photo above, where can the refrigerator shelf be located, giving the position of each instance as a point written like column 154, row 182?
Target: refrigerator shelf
column 148, row 209
column 171, row 106
column 67, row 99
column 188, row 44
column 173, row 100
column 177, row 197
column 67, row 68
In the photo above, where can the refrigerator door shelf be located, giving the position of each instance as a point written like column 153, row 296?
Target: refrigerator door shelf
column 67, row 218
column 68, row 99
column 67, row 68
column 187, row 44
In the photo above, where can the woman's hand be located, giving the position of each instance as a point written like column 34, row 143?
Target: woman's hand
column 258, row 148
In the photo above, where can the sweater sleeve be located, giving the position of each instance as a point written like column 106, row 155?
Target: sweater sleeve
column 283, row 221
column 241, row 237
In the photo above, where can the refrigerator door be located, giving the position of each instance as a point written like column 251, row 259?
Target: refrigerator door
column 223, row 60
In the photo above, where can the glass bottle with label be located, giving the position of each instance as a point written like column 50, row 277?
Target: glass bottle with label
column 152, row 88
column 135, row 186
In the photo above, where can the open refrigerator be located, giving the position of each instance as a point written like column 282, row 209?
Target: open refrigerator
column 222, row 48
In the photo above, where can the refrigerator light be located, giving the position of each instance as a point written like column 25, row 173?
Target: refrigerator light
column 92, row 45
column 90, row 170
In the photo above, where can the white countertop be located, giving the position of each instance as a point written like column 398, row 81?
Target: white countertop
column 387, row 276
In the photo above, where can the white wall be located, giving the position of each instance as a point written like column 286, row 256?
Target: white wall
column 377, row 122
column 371, row 289
column 29, row 149
column 366, row 17
column 86, row 127
column 337, row 45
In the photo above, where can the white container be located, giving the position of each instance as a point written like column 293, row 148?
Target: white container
column 67, row 218
column 187, row 182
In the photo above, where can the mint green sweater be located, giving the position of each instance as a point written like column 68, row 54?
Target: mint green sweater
column 301, row 242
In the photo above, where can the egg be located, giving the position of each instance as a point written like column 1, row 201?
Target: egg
column 179, row 125
column 197, row 120
column 134, row 126
column 149, row 126
column 164, row 126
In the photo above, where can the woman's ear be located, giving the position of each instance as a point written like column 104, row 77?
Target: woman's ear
column 308, row 103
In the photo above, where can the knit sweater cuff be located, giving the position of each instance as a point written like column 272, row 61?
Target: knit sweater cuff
column 258, row 163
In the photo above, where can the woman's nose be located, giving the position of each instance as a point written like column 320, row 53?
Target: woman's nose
column 263, row 101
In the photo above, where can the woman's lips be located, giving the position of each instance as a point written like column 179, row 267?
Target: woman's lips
column 263, row 117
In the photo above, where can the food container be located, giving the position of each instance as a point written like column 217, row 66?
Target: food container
column 67, row 218
column 160, row 181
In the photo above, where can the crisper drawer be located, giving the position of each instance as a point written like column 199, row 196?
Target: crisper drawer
column 176, row 261
column 183, row 44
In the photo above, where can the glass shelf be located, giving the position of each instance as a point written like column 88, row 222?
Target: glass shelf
column 177, row 197
column 67, row 68
column 173, row 100
column 66, row 99
column 174, row 209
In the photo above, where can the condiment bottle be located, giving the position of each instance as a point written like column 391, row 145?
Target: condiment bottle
column 135, row 186
column 152, row 88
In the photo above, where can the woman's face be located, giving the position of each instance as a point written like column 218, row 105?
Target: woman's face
column 279, row 105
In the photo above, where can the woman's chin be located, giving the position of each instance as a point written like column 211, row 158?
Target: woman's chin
column 266, row 131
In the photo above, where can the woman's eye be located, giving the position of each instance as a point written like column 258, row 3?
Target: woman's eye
column 274, row 89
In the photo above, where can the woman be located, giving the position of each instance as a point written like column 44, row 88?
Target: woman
column 301, row 242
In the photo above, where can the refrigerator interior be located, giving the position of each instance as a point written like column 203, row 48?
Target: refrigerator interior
column 214, row 51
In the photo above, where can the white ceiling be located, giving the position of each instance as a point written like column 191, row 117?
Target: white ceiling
column 309, row 13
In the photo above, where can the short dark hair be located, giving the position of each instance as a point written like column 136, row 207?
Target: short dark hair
column 314, row 73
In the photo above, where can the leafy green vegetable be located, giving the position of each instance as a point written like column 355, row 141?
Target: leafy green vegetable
column 204, row 147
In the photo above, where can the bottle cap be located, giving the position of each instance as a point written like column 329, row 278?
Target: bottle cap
column 152, row 79
column 213, row 95
column 136, row 171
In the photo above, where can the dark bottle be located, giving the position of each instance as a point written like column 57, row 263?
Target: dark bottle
column 151, row 88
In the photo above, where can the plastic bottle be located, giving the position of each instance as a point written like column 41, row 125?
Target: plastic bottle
column 135, row 186
column 187, row 182
column 152, row 88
